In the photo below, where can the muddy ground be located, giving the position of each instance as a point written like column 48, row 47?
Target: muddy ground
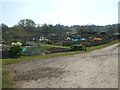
column 96, row 69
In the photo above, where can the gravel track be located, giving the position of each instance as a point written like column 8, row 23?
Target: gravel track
column 96, row 69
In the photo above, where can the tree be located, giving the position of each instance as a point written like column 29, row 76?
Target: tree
column 29, row 27
column 111, row 31
column 18, row 32
column 4, row 27
column 81, row 31
column 5, row 32
column 26, row 23
column 45, row 30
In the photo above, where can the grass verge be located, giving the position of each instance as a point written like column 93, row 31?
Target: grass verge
column 6, row 80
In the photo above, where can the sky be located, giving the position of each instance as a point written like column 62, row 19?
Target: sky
column 65, row 12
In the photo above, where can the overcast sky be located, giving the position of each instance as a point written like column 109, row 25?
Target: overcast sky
column 65, row 12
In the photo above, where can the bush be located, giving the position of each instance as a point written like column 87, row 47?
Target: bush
column 15, row 50
column 5, row 51
column 77, row 47
column 24, row 43
column 67, row 43
column 49, row 42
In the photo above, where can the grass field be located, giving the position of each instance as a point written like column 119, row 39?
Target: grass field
column 7, row 81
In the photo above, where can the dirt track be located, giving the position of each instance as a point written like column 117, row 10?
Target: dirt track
column 97, row 69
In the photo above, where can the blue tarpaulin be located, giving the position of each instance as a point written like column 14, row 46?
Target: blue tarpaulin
column 78, row 39
column 29, row 51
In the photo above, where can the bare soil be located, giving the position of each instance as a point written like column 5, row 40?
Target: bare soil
column 96, row 69
column 57, row 50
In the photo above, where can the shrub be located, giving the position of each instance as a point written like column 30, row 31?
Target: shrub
column 5, row 51
column 15, row 50
column 24, row 43
column 77, row 47
column 67, row 43
column 49, row 42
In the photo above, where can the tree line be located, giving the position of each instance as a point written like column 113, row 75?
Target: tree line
column 27, row 29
